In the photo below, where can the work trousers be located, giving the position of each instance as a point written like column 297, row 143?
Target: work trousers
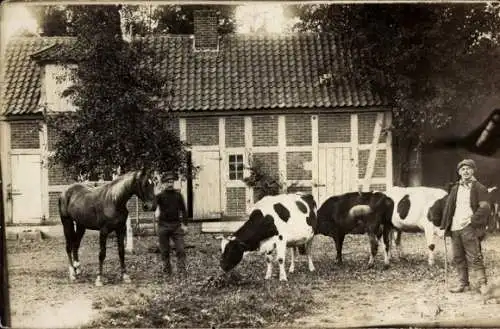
column 172, row 231
column 467, row 254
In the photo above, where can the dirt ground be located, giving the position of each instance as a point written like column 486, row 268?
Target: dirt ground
column 349, row 295
column 426, row 302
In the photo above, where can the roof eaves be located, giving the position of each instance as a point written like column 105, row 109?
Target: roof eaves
column 37, row 54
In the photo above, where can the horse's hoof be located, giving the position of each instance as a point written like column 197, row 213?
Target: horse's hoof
column 126, row 278
column 77, row 268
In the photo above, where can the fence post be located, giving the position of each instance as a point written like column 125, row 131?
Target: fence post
column 129, row 245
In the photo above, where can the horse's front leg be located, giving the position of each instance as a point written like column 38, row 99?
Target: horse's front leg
column 120, row 238
column 103, row 236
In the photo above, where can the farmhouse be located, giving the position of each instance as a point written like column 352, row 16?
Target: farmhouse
column 238, row 99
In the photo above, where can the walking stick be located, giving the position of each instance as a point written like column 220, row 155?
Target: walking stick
column 445, row 262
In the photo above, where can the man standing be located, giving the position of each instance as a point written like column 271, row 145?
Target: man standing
column 172, row 221
column 464, row 219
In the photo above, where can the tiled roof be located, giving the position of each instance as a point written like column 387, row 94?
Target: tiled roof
column 248, row 72
column 21, row 76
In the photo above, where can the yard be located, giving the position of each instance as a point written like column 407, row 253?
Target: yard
column 351, row 295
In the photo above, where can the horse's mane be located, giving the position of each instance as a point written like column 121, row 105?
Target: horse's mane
column 116, row 187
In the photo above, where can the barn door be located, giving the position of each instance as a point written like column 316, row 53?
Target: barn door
column 26, row 191
column 206, row 185
column 336, row 174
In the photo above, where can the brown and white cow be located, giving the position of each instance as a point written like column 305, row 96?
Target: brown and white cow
column 411, row 214
column 275, row 223
column 357, row 213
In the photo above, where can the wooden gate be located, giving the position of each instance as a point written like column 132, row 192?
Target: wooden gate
column 207, row 185
column 336, row 171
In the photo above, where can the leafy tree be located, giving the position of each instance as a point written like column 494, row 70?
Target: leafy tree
column 120, row 119
column 179, row 19
column 52, row 20
column 427, row 60
column 139, row 19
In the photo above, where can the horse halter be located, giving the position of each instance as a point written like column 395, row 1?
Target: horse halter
column 143, row 182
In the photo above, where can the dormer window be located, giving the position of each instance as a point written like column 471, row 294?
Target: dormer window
column 57, row 81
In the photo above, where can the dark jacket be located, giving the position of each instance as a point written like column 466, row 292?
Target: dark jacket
column 479, row 202
column 171, row 204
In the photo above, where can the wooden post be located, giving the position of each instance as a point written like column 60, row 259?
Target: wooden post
column 129, row 244
column 373, row 151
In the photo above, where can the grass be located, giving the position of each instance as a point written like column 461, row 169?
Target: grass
column 207, row 297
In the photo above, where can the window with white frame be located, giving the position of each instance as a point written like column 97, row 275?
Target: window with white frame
column 236, row 166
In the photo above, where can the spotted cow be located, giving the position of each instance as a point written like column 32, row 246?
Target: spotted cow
column 357, row 213
column 411, row 214
column 275, row 223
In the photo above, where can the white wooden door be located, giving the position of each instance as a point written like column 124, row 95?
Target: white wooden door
column 336, row 172
column 26, row 188
column 206, row 185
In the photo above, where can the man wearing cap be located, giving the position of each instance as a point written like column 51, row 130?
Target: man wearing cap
column 465, row 216
column 172, row 221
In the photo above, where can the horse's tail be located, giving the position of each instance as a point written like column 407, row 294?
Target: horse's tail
column 67, row 222
column 63, row 205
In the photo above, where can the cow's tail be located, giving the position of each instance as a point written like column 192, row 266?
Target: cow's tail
column 386, row 207
column 302, row 249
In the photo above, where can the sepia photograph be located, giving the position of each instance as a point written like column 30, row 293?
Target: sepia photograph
column 250, row 164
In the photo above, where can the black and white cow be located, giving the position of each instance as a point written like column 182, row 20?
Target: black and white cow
column 275, row 223
column 411, row 213
column 357, row 213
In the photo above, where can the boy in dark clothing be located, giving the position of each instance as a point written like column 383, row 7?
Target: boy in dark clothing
column 465, row 215
column 172, row 223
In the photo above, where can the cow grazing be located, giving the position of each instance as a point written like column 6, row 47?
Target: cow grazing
column 411, row 213
column 275, row 223
column 357, row 213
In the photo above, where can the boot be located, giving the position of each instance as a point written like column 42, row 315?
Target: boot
column 461, row 287
column 167, row 268
column 181, row 266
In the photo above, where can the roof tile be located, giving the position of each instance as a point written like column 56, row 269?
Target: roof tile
column 248, row 72
column 21, row 75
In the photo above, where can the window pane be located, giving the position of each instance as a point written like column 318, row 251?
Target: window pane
column 231, row 158
column 239, row 158
column 232, row 176
column 232, row 167
column 239, row 175
column 239, row 167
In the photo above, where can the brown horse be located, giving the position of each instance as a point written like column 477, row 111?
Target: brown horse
column 103, row 208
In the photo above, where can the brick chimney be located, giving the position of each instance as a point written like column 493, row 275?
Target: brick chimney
column 205, row 30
